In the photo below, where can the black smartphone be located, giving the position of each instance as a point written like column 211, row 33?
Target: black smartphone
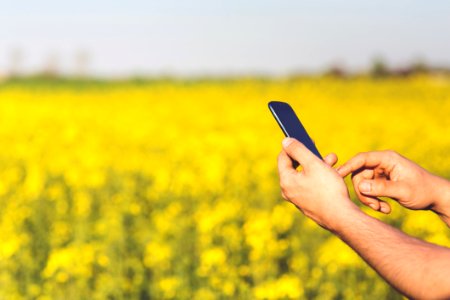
column 291, row 125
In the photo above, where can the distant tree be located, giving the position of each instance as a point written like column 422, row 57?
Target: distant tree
column 419, row 67
column 336, row 71
column 51, row 66
column 379, row 68
column 81, row 63
column 15, row 61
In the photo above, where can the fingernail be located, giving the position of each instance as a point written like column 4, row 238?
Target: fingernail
column 286, row 142
column 384, row 209
column 374, row 207
column 365, row 187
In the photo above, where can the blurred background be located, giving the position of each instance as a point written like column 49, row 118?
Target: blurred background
column 138, row 156
column 153, row 38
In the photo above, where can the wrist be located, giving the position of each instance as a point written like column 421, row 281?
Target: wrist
column 441, row 198
column 344, row 219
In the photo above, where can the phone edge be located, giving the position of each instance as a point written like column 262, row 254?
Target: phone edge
column 280, row 124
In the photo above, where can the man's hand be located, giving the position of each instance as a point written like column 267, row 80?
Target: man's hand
column 318, row 190
column 387, row 173
column 415, row 268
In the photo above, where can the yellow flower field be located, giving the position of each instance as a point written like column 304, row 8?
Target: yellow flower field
column 168, row 189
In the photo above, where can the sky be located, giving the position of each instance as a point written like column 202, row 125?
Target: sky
column 199, row 37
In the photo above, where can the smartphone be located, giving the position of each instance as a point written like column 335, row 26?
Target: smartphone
column 291, row 125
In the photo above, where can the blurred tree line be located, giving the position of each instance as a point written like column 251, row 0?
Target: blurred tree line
column 51, row 69
column 379, row 68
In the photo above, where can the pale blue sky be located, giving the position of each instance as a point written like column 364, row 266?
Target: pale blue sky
column 223, row 37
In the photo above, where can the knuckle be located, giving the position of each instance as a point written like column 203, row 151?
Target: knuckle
column 391, row 153
column 360, row 155
column 359, row 158
column 356, row 177
column 282, row 183
column 280, row 157
column 287, row 191
column 285, row 183
column 289, row 194
column 378, row 186
column 406, row 193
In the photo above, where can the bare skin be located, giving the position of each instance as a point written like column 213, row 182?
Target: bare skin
column 414, row 267
column 387, row 173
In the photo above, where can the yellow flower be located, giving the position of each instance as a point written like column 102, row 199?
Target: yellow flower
column 286, row 286
column 168, row 286
column 212, row 258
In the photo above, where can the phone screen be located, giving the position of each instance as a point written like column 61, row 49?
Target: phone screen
column 291, row 125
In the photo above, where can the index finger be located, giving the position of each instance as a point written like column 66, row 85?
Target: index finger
column 366, row 159
column 285, row 165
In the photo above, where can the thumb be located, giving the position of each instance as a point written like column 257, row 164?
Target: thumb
column 299, row 152
column 382, row 188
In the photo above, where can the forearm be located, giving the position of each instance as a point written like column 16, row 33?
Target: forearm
column 441, row 198
column 415, row 268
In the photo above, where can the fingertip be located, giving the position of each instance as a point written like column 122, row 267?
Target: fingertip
column 385, row 208
column 341, row 170
column 286, row 142
column 365, row 187
column 334, row 156
column 330, row 159
column 375, row 206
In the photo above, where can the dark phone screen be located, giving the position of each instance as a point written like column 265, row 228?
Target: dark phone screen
column 291, row 125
